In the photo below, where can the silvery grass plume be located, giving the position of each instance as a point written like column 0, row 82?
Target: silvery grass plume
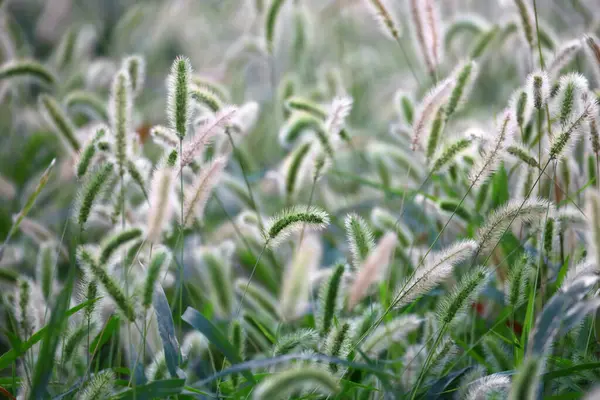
column 503, row 217
column 162, row 200
column 215, row 125
column 389, row 333
column 436, row 97
column 292, row 220
column 179, row 109
column 493, row 150
column 198, row 194
column 388, row 23
column 491, row 385
column 296, row 289
column 304, row 379
column 429, row 273
column 426, row 27
column 593, row 52
column 373, row 268
column 339, row 111
column 120, row 109
column 584, row 267
column 564, row 55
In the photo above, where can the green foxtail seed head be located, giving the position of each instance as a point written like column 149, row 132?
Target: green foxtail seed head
column 538, row 88
column 110, row 286
column 271, row 23
column 437, row 127
column 59, row 121
column 526, row 382
column 389, row 333
column 136, row 176
column 387, row 22
column 465, row 78
column 99, row 386
column 91, row 191
column 483, row 42
column 206, row 98
column 523, row 154
column 293, row 173
column 450, row 155
column 300, row 339
column 296, row 288
column 28, row 69
column 569, row 97
column 217, row 273
column 114, row 241
column 135, row 65
column 87, row 103
column 292, row 220
column 338, row 343
column 569, row 132
column 516, row 284
column 564, row 55
column 120, row 108
column 159, row 262
column 309, row 379
column 45, row 272
column 527, row 22
column 296, row 126
column 360, row 238
column 298, row 103
column 88, row 152
column 178, row 103
column 462, row 296
column 331, row 294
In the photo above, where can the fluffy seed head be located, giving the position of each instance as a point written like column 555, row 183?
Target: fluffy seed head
column 360, row 238
column 428, row 107
column 373, row 268
column 179, row 108
column 199, row 193
column 162, row 199
column 135, row 65
column 538, row 88
column 387, row 22
column 120, row 106
column 292, row 220
column 338, row 113
column 305, row 379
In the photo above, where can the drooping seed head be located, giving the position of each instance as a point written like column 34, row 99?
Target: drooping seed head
column 292, row 220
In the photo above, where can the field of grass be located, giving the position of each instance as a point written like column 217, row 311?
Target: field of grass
column 300, row 199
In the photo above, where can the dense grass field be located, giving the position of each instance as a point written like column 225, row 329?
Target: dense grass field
column 299, row 199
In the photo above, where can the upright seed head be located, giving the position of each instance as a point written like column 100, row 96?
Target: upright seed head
column 99, row 386
column 162, row 200
column 120, row 107
column 538, row 88
column 159, row 262
column 360, row 238
column 373, row 269
column 135, row 65
column 46, row 269
column 271, row 23
column 179, row 108
column 331, row 298
column 527, row 23
column 593, row 51
column 428, row 108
